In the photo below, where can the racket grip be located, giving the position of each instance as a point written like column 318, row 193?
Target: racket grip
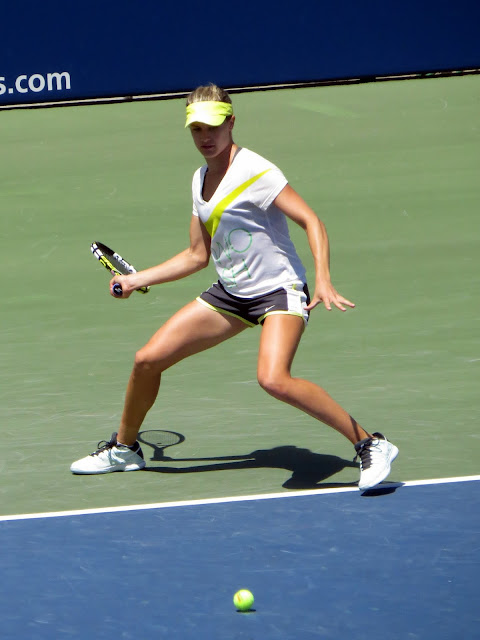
column 117, row 290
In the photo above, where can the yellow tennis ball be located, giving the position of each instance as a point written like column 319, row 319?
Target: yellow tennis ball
column 243, row 600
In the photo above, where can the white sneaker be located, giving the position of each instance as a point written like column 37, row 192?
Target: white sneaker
column 110, row 456
column 376, row 455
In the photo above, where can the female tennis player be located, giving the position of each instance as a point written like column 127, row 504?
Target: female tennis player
column 241, row 203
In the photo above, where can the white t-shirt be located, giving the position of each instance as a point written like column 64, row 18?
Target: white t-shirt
column 251, row 245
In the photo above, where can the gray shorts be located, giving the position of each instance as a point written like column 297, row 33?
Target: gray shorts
column 289, row 300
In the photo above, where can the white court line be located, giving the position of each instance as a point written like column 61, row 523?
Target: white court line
column 264, row 496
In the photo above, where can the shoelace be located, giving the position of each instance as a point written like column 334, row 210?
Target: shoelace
column 103, row 445
column 365, row 454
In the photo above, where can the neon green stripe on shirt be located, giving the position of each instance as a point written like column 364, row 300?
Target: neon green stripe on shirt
column 214, row 220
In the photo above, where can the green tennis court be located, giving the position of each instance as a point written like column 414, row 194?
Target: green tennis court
column 392, row 168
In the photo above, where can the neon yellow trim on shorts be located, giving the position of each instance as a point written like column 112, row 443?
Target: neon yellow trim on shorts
column 225, row 313
column 283, row 313
column 214, row 220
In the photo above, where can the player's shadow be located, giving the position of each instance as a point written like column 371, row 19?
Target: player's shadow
column 309, row 470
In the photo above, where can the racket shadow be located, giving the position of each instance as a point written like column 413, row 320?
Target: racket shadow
column 309, row 470
column 159, row 440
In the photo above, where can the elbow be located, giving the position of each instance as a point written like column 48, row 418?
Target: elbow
column 203, row 263
column 200, row 260
column 315, row 225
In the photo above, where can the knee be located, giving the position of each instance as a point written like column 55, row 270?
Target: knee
column 275, row 385
column 146, row 362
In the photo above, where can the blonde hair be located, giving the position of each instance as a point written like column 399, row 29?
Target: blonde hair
column 208, row 93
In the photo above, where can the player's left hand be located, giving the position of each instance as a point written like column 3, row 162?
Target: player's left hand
column 328, row 295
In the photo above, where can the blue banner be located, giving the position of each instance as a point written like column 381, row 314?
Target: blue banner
column 57, row 50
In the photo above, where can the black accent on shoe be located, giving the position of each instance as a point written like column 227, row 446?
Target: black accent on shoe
column 136, row 449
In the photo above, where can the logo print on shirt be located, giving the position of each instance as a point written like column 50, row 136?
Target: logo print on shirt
column 236, row 242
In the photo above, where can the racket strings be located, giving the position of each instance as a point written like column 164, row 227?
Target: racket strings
column 120, row 266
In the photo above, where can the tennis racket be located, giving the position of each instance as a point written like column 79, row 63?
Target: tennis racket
column 115, row 264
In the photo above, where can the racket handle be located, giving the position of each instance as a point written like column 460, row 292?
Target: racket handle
column 117, row 290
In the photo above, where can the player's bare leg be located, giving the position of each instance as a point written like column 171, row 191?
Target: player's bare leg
column 278, row 344
column 193, row 329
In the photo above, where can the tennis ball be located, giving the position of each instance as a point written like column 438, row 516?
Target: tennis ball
column 243, row 600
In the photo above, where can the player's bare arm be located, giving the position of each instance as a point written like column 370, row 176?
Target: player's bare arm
column 191, row 260
column 295, row 208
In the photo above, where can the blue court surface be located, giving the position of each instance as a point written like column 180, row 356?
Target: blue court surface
column 402, row 562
